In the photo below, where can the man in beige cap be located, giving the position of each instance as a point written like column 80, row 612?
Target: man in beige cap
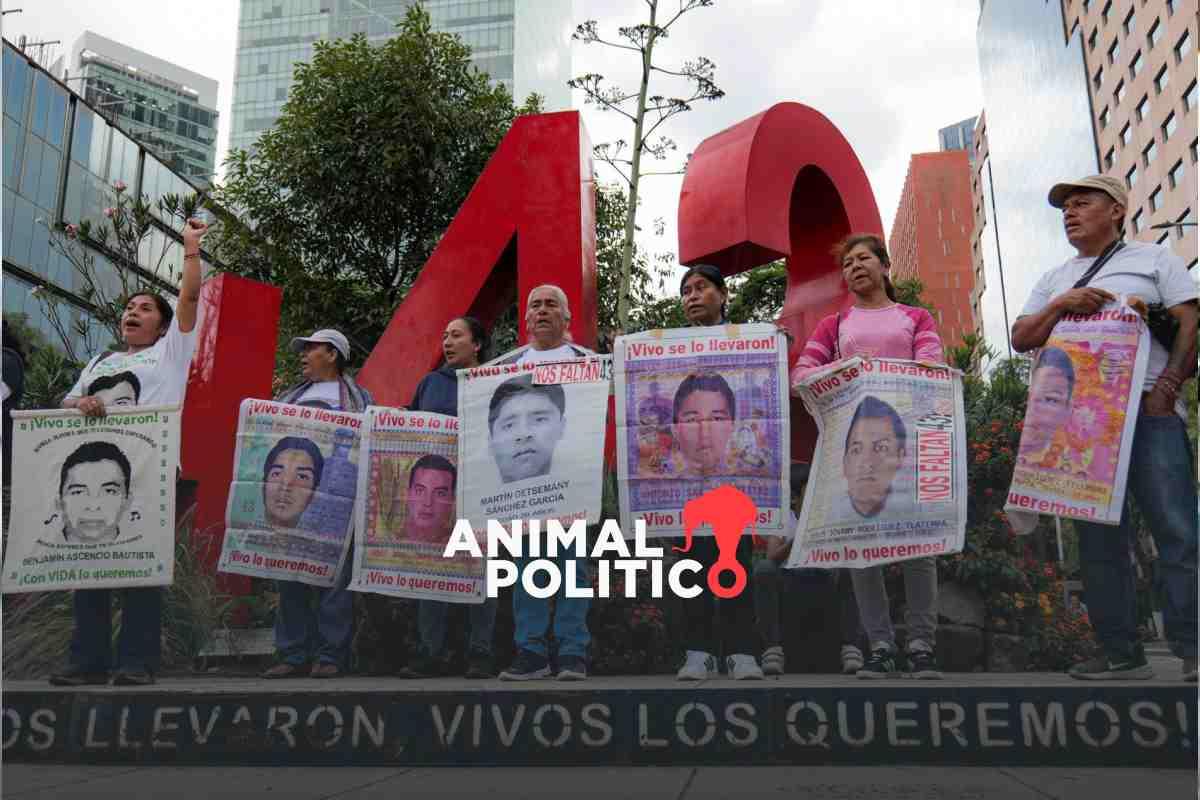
column 1161, row 467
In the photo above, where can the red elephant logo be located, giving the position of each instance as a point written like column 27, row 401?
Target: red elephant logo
column 728, row 510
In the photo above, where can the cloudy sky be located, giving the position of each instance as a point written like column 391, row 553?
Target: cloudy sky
column 888, row 73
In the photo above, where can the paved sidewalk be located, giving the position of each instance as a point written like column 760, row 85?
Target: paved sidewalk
column 60, row 782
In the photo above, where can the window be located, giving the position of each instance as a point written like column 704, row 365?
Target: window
column 1179, row 228
column 1170, row 8
column 1109, row 158
column 1092, row 40
column 1128, row 23
column 1131, row 177
column 1183, row 46
column 1135, row 66
column 1126, row 135
column 1104, row 14
column 1162, row 239
column 1114, row 52
column 1149, row 153
column 1154, row 35
column 1155, row 199
column 1098, row 78
column 1074, row 27
column 1189, row 97
column 1119, row 93
column 1143, row 108
column 1137, row 221
column 1104, row 118
column 1168, row 126
column 1192, row 150
column 1161, row 80
column 1176, row 174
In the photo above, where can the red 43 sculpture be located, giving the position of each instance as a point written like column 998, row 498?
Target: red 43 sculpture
column 782, row 184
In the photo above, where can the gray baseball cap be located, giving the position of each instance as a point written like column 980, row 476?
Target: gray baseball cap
column 325, row 336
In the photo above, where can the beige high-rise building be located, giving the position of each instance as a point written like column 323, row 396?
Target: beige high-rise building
column 1141, row 65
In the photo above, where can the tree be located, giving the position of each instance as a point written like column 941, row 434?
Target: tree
column 626, row 158
column 121, row 243
column 350, row 191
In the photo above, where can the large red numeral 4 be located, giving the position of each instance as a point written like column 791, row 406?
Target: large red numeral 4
column 530, row 217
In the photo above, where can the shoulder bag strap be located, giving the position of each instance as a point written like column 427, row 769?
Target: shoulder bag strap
column 1101, row 260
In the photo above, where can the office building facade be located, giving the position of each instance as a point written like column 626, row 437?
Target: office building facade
column 959, row 136
column 61, row 158
column 931, row 238
column 1141, row 78
column 169, row 109
column 524, row 44
column 1036, row 130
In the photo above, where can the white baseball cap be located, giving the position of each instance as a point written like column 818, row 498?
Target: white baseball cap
column 325, row 336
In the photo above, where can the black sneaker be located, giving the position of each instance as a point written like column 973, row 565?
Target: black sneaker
column 881, row 664
column 527, row 666
column 1107, row 667
column 572, row 668
column 479, row 665
column 133, row 677
column 922, row 664
column 73, row 676
column 422, row 666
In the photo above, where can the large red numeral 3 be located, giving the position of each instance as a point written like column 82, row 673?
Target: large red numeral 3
column 782, row 184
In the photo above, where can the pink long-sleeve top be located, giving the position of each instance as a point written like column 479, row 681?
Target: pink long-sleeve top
column 897, row 331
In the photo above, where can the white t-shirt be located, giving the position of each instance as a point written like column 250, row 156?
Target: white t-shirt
column 1150, row 271
column 161, row 370
column 564, row 352
column 323, row 394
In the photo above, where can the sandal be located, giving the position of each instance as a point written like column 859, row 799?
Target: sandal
column 286, row 670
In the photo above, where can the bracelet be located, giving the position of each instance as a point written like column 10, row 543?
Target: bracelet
column 1165, row 386
column 191, row 255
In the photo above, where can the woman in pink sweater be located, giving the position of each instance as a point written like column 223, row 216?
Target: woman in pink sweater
column 876, row 326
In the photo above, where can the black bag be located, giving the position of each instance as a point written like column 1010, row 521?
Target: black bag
column 1163, row 327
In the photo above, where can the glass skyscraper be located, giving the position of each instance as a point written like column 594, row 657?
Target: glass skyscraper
column 60, row 157
column 525, row 44
column 171, row 110
column 1038, row 131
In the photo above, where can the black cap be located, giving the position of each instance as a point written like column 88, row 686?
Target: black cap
column 708, row 271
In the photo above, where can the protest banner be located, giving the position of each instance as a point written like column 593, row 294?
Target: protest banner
column 405, row 510
column 93, row 501
column 291, row 503
column 1084, row 391
column 889, row 473
column 531, row 440
column 700, row 408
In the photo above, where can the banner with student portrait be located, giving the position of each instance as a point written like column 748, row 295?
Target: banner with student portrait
column 406, row 508
column 531, row 440
column 291, row 502
column 889, row 473
column 699, row 408
column 1084, row 388
column 93, row 500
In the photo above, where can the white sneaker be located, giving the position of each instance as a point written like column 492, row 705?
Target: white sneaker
column 698, row 667
column 742, row 667
column 852, row 659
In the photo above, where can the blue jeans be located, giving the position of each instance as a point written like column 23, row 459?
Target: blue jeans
column 431, row 623
column 302, row 635
column 1162, row 478
column 531, row 615
column 139, row 644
